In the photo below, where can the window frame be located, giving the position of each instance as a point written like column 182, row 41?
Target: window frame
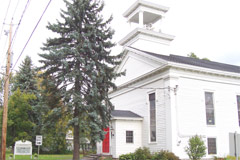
column 207, row 108
column 149, row 110
column 129, row 136
column 215, row 145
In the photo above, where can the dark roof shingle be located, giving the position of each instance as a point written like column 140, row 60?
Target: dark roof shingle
column 196, row 62
column 123, row 113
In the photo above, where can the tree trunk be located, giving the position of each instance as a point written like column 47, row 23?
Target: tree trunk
column 76, row 137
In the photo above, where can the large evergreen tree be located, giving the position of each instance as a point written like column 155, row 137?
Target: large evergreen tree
column 79, row 60
column 25, row 78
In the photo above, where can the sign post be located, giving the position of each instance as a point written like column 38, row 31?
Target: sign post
column 38, row 142
column 236, row 144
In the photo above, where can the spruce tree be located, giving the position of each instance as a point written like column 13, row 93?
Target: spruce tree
column 80, row 62
column 25, row 78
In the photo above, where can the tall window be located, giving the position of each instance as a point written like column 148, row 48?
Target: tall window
column 152, row 117
column 129, row 136
column 209, row 108
column 212, row 146
column 238, row 105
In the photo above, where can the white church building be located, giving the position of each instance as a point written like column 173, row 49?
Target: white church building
column 165, row 99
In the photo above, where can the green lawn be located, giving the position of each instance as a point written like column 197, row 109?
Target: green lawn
column 43, row 157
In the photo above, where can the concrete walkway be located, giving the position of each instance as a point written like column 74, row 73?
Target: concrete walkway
column 91, row 157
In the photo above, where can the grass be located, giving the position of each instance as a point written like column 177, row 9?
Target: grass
column 44, row 157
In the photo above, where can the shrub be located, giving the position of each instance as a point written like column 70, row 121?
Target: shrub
column 130, row 156
column 35, row 156
column 165, row 155
column 10, row 156
column 143, row 153
column 220, row 158
column 231, row 158
column 171, row 156
column 139, row 154
column 196, row 148
column 160, row 156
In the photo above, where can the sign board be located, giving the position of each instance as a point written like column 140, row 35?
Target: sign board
column 38, row 140
column 23, row 148
column 234, row 144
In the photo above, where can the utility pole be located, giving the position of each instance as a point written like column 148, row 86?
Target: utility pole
column 5, row 104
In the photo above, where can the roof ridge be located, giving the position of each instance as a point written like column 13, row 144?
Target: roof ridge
column 195, row 62
column 203, row 60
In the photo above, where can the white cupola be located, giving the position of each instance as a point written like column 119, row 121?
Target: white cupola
column 147, row 33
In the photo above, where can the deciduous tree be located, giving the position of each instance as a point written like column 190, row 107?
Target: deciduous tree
column 19, row 126
column 193, row 55
column 196, row 148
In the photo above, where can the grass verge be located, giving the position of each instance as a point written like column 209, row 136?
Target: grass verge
column 44, row 157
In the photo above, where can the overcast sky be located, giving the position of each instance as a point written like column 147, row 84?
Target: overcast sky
column 209, row 28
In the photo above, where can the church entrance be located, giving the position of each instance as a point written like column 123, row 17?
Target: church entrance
column 106, row 142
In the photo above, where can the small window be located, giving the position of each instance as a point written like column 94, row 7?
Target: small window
column 209, row 108
column 129, row 136
column 238, row 107
column 212, row 147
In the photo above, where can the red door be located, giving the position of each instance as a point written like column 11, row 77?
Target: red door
column 105, row 143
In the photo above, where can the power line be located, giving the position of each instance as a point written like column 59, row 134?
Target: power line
column 5, row 55
column 31, row 34
column 147, row 87
column 5, row 19
column 3, row 51
column 15, row 9
column 18, row 25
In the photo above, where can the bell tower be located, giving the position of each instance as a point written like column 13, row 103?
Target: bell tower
column 147, row 34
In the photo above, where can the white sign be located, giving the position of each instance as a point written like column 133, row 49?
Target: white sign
column 23, row 148
column 38, row 140
column 234, row 142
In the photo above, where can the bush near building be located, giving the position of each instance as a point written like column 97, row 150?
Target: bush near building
column 145, row 154
column 196, row 148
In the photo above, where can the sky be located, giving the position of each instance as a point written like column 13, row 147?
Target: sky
column 209, row 28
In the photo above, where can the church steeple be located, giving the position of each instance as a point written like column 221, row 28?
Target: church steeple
column 146, row 15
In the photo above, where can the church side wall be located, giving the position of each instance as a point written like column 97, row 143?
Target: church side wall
column 136, row 100
column 190, row 111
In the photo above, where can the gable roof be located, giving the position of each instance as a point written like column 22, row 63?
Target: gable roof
column 124, row 114
column 195, row 62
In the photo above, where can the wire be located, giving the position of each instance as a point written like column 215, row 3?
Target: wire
column 15, row 33
column 15, row 9
column 31, row 35
column 5, row 19
column 7, row 36
column 146, row 88
column 18, row 25
column 5, row 56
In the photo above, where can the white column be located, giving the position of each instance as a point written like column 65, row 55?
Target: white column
column 141, row 19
